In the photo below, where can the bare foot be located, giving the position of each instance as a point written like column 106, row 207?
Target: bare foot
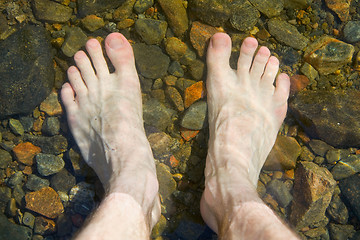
column 105, row 117
column 245, row 114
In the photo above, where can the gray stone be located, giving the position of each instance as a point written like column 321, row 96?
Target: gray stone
column 334, row 155
column 189, row 230
column 157, row 115
column 46, row 10
column 82, row 196
column 352, row 31
column 341, row 232
column 142, row 5
column 18, row 194
column 51, row 126
column 28, row 220
column 26, row 70
column 16, row 127
column 12, row 231
column 124, row 11
column 63, row 181
column 48, row 164
column 337, row 210
column 270, row 8
column 74, row 40
column 27, row 123
column 147, row 67
column 5, row 158
column 244, row 16
column 286, row 33
column 351, row 191
column 53, row 145
column 346, row 167
column 167, row 184
column 35, row 183
column 195, row 115
column 87, row 7
column 281, row 193
column 150, row 30
column 319, row 147
column 15, row 179
column 334, row 117
column 175, row 69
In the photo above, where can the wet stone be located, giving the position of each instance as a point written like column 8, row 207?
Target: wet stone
column 44, row 226
column 297, row 4
column 351, row 191
column 145, row 55
column 87, row 7
column 352, row 31
column 213, row 12
column 334, row 155
column 35, row 183
column 270, row 8
column 150, row 30
column 74, row 40
column 346, row 167
column 332, row 119
column 189, row 230
column 167, row 184
column 51, row 126
column 78, row 164
column 11, row 231
column 62, row 181
column 11, row 208
column 157, row 115
column 340, row 7
column 25, row 152
column 319, row 147
column 337, row 210
column 82, row 197
column 5, row 158
column 27, row 123
column 45, row 202
column 18, row 194
column 27, row 74
column 5, row 194
column 176, row 15
column 340, row 231
column 46, row 10
column 159, row 227
column 124, row 10
column 193, row 93
column 92, row 22
column 63, row 225
column 245, row 16
column 142, row 5
column 309, row 71
column 15, row 179
column 175, row 48
column 52, row 145
column 196, row 69
column 199, row 36
column 16, row 127
column 298, row 83
column 175, row 98
column 195, row 115
column 175, row 69
column 286, row 33
column 48, row 164
column 28, row 220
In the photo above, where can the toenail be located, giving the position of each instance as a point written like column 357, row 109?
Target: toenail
column 115, row 43
column 218, row 42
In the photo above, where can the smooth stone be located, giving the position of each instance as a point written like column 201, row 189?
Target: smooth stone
column 74, row 40
column 62, row 181
column 87, row 7
column 51, row 105
column 48, row 164
column 44, row 226
column 26, row 70
column 319, row 147
column 157, row 115
column 175, row 48
column 16, row 179
column 270, row 8
column 346, row 167
column 200, row 35
column 5, row 159
column 176, row 15
column 35, row 183
column 189, row 230
column 313, row 189
column 244, row 16
column 195, row 116
column 27, row 123
column 352, row 31
column 142, row 5
column 333, row 118
column 46, row 10
column 196, row 69
column 213, row 12
column 334, row 155
column 16, row 127
column 297, row 4
column 340, row 7
column 160, row 144
column 144, row 58
column 51, row 126
column 92, row 22
column 328, row 54
column 351, row 191
column 12, row 231
column 175, row 69
column 309, row 72
column 167, row 184
column 18, row 194
column 78, row 164
column 159, row 227
column 28, row 220
column 340, row 231
column 288, row 34
column 124, row 11
column 11, row 208
column 82, row 198
column 279, row 190
column 150, row 30
column 52, row 145
column 337, row 210
column 175, row 98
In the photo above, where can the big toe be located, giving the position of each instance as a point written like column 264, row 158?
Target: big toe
column 218, row 53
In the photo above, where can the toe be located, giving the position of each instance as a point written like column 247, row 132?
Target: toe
column 77, row 84
column 282, row 88
column 68, row 98
column 85, row 67
column 247, row 51
column 271, row 70
column 218, row 53
column 97, row 57
column 259, row 63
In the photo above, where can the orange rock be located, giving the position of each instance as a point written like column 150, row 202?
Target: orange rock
column 194, row 93
column 25, row 152
column 37, row 125
column 199, row 35
column 175, row 48
column 175, row 97
column 298, row 83
column 187, row 134
column 340, row 7
column 271, row 201
column 51, row 105
column 289, row 174
column 27, row 170
column 46, row 202
column 174, row 162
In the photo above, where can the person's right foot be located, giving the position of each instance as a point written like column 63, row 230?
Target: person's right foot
column 245, row 113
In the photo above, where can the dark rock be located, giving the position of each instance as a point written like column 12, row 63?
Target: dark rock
column 142, row 5
column 213, row 12
column 145, row 55
column 270, row 8
column 26, row 70
column 244, row 16
column 313, row 189
column 351, row 191
column 189, row 230
column 74, row 40
column 79, row 165
column 340, row 7
column 44, row 226
column 48, row 164
column 297, row 4
column 27, row 123
column 337, row 210
column 328, row 54
column 28, row 220
column 346, row 167
column 150, row 30
column 5, row 194
column 16, row 127
column 334, row 155
column 352, row 31
column 167, row 184
column 195, row 115
column 334, row 117
column 64, row 225
column 5, row 158
column 175, row 69
column 18, row 194
column 286, row 33
column 53, row 145
column 197, row 69
column 82, row 196
column 319, row 147
column 11, row 208
column 340, row 232
column 11, row 231
column 15, row 179
column 123, row 12
column 35, row 183
column 281, row 193
column 176, row 15
column 62, row 181
column 157, row 115
column 87, row 7
column 51, row 126
column 46, row 10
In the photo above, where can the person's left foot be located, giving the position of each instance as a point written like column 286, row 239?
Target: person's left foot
column 105, row 117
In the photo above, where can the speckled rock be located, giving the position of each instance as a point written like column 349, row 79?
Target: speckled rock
column 35, row 183
column 62, row 181
column 309, row 71
column 142, row 5
column 45, row 202
column 82, row 197
column 176, row 15
column 150, row 30
column 53, row 145
column 48, row 164
column 156, row 114
column 51, row 105
column 351, row 191
column 74, row 40
column 167, row 184
column 337, row 210
column 244, row 16
column 199, row 36
column 145, row 55
column 193, row 93
column 5, row 158
column 340, row 7
column 16, row 127
column 175, row 98
column 25, row 152
column 333, row 118
column 270, row 8
column 124, row 10
column 160, row 144
column 286, row 33
column 195, row 115
column 196, row 69
column 340, row 231
column 328, row 54
column 213, row 12
column 78, row 164
column 46, row 10
column 15, row 179
column 346, row 167
column 86, row 7
column 352, row 31
column 28, row 220
column 298, row 83
column 51, row 126
column 334, row 155
column 12, row 231
column 92, row 22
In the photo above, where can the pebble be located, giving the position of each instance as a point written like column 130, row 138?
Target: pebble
column 270, row 8
column 183, row 83
column 11, row 231
column 195, row 115
column 340, row 231
column 62, row 181
column 167, row 184
column 28, row 220
column 187, row 135
column 52, row 145
column 160, row 144
column 346, row 167
column 196, row 69
column 157, row 115
column 46, row 10
column 141, row 6
column 16, row 179
column 124, row 11
column 351, row 192
column 63, row 225
column 147, row 67
column 150, row 30
column 51, row 105
column 27, row 123
column 340, row 7
column 279, row 190
column 319, row 147
column 175, row 98
column 51, row 126
column 159, row 227
column 16, row 127
column 48, row 164
column 82, row 197
column 309, row 72
column 352, row 31
column 11, row 208
column 78, row 164
column 297, row 4
column 175, row 48
column 193, row 93
column 337, row 210
column 199, row 36
column 245, row 16
column 298, row 83
column 5, row 159
column 35, row 183
column 176, row 15
column 18, row 194
column 5, row 194
column 74, row 40
column 175, row 69
column 125, row 24
column 86, row 7
column 45, row 202
column 44, row 226
column 92, row 23
column 334, row 155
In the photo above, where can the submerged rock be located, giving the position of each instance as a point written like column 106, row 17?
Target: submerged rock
column 47, row 10
column 151, row 31
column 12, row 231
column 340, row 7
column 270, row 8
column 195, row 115
column 74, row 40
column 86, row 7
column 26, row 70
column 352, row 31
column 351, row 191
column 176, row 15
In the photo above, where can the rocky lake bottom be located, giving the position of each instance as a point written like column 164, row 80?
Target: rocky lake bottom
column 311, row 178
